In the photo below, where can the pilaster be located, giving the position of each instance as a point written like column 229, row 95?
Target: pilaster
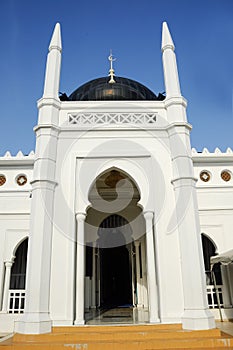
column 8, row 266
column 80, row 269
column 139, row 297
column 151, row 271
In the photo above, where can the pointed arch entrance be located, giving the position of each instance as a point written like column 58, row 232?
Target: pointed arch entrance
column 115, row 244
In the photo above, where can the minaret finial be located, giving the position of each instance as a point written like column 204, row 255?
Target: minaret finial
column 111, row 70
column 53, row 66
column 171, row 78
column 167, row 41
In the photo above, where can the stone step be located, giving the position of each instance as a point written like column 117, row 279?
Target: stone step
column 112, row 335
column 117, row 328
column 127, row 345
column 137, row 337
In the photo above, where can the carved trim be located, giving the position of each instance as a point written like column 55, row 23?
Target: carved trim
column 84, row 119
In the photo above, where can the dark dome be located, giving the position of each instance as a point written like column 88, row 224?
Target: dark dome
column 122, row 89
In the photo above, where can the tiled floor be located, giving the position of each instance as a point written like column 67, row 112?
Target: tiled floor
column 127, row 315
column 134, row 316
column 225, row 326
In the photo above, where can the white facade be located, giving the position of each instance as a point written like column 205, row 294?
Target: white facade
column 124, row 161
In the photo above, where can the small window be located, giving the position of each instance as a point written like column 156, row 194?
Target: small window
column 2, row 180
column 205, row 176
column 226, row 175
column 21, row 180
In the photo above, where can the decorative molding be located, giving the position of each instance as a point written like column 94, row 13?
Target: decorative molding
column 84, row 119
column 19, row 155
column 20, row 159
column 209, row 157
column 205, row 150
column 217, row 151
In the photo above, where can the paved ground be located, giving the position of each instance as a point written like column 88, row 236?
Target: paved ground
column 121, row 315
column 225, row 326
column 134, row 316
column 130, row 316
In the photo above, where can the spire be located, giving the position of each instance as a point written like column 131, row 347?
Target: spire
column 167, row 41
column 111, row 70
column 171, row 78
column 53, row 66
column 55, row 42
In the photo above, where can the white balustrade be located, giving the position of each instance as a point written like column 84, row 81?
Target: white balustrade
column 85, row 119
column 16, row 301
column 212, row 296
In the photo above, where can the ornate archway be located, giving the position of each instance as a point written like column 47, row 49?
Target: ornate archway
column 115, row 267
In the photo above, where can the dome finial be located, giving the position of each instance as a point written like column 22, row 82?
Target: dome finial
column 111, row 70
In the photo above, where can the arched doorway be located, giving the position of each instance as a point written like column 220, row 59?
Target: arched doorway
column 115, row 263
column 115, row 244
column 18, row 279
column 209, row 249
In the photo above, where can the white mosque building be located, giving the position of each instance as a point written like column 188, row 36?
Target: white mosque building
column 114, row 210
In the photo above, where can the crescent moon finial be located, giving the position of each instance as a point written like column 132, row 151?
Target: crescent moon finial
column 111, row 70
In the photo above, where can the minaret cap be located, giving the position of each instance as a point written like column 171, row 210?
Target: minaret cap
column 167, row 41
column 55, row 42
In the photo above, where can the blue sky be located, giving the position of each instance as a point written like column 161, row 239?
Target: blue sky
column 202, row 31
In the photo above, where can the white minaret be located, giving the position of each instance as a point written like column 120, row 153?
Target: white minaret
column 196, row 312
column 36, row 318
column 175, row 103
column 171, row 78
column 53, row 67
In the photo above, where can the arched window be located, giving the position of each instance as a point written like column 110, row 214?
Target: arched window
column 209, row 250
column 18, row 271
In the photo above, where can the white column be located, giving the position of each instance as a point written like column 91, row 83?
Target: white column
column 98, row 276
column 80, row 269
column 144, row 279
column 8, row 266
column 93, row 279
column 133, row 276
column 151, row 272
column 139, row 301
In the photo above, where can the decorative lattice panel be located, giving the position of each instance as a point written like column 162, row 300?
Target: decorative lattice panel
column 16, row 301
column 83, row 119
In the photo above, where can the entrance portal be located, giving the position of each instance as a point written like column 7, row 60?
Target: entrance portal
column 116, row 275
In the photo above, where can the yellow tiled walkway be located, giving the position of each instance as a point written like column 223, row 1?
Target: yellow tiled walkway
column 130, row 337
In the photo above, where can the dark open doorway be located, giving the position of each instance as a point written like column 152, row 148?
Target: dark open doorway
column 115, row 263
column 115, row 272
